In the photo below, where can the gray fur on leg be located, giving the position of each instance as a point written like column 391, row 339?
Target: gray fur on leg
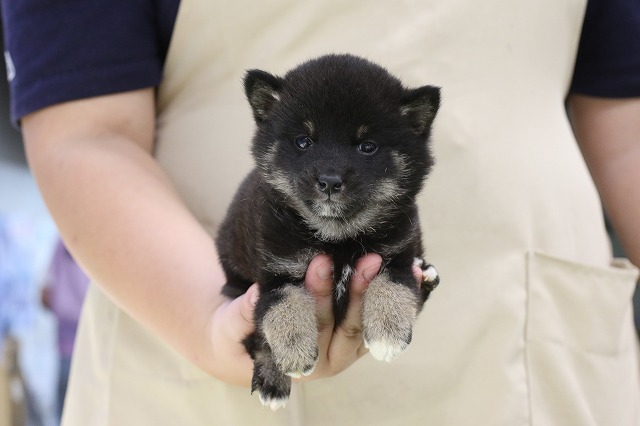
column 389, row 311
column 291, row 330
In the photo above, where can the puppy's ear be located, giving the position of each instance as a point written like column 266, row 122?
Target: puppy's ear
column 420, row 107
column 263, row 91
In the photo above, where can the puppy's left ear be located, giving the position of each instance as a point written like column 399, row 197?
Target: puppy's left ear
column 263, row 91
column 420, row 107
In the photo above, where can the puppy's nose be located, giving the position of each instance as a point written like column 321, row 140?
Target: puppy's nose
column 329, row 184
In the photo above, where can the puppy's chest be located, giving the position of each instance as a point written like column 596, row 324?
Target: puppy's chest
column 344, row 256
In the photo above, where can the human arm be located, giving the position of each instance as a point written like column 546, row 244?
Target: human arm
column 608, row 133
column 127, row 226
column 121, row 217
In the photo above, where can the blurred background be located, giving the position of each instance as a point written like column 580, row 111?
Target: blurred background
column 29, row 357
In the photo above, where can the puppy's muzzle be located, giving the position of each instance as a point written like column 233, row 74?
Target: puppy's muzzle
column 330, row 184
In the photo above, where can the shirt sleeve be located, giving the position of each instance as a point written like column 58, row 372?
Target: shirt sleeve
column 608, row 61
column 62, row 50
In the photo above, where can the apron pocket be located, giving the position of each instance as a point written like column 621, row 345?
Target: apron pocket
column 580, row 306
column 581, row 345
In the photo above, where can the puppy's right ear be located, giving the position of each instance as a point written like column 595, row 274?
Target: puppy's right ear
column 420, row 107
column 263, row 91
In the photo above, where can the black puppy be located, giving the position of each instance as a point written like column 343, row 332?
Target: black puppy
column 341, row 150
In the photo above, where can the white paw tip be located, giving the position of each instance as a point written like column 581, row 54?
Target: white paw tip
column 383, row 351
column 273, row 403
column 429, row 274
column 309, row 371
column 298, row 374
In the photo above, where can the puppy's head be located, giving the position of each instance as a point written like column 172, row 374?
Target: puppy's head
column 342, row 140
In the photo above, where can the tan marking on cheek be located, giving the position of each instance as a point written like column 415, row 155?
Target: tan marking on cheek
column 401, row 162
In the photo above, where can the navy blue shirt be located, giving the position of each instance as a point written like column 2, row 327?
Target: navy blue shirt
column 608, row 62
column 61, row 50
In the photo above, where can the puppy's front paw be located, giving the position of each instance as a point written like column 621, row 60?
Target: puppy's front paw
column 389, row 311
column 291, row 329
column 385, row 350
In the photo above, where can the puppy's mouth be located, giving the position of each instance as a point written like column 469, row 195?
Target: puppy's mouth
column 329, row 209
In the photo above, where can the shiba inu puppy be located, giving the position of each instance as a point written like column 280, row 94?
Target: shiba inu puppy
column 341, row 151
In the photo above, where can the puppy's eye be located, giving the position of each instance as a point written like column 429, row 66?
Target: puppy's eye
column 303, row 141
column 368, row 147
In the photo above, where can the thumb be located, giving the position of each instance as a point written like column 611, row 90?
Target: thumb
column 231, row 323
column 248, row 306
column 239, row 314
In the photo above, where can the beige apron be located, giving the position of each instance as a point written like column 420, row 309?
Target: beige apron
column 531, row 325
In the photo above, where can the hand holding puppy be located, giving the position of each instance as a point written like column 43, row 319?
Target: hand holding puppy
column 339, row 347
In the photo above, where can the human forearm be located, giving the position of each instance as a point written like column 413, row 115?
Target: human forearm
column 608, row 131
column 127, row 226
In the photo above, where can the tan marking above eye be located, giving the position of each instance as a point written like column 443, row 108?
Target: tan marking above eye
column 361, row 131
column 309, row 126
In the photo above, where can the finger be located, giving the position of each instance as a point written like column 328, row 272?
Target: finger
column 347, row 343
column 319, row 281
column 417, row 274
column 238, row 315
column 232, row 322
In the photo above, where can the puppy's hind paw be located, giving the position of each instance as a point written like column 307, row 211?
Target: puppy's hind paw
column 272, row 386
column 274, row 396
column 272, row 401
column 430, row 276
column 430, row 279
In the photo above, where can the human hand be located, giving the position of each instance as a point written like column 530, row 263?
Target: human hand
column 230, row 323
column 340, row 346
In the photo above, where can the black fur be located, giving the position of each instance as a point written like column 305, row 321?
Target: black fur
column 341, row 151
